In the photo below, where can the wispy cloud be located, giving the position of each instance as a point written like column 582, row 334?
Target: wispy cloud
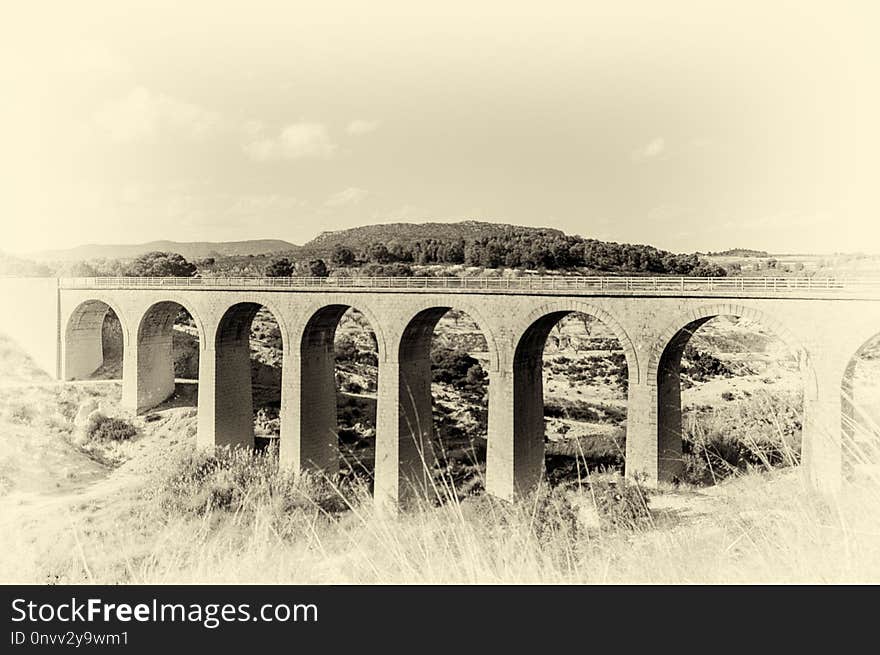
column 142, row 115
column 295, row 141
column 347, row 198
column 360, row 126
column 651, row 150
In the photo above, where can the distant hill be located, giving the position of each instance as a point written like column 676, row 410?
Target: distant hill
column 408, row 233
column 737, row 252
column 191, row 250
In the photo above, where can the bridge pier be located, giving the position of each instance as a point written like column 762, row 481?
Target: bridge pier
column 824, row 430
column 233, row 396
column 642, row 458
column 515, row 447
column 404, row 431
column 207, row 415
column 309, row 427
column 148, row 377
column 309, row 423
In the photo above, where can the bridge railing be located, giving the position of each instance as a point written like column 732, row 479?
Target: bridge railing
column 525, row 283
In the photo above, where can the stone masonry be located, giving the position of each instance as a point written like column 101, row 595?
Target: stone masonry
column 824, row 330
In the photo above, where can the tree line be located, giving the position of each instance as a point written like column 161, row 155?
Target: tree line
column 529, row 250
column 526, row 250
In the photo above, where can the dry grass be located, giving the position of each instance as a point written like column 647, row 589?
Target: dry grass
column 170, row 515
column 248, row 522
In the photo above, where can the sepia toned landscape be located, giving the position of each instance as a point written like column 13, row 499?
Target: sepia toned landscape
column 93, row 492
column 430, row 293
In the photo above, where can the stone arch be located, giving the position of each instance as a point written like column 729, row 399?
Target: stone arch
column 705, row 313
column 161, row 311
column 562, row 307
column 519, row 459
column 408, row 437
column 185, row 303
column 859, row 424
column 260, row 301
column 664, row 371
column 154, row 374
column 308, row 312
column 232, row 401
column 311, row 438
column 83, row 349
column 434, row 311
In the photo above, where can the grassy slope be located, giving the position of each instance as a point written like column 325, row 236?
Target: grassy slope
column 66, row 518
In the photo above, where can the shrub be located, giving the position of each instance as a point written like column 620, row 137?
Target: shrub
column 457, row 368
column 236, row 481
column 108, row 428
column 620, row 503
column 161, row 264
column 282, row 267
column 727, row 395
column 20, row 413
column 555, row 517
column 703, row 366
column 762, row 431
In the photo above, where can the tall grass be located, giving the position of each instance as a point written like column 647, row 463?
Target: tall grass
column 237, row 517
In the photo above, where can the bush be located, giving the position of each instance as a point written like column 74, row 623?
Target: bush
column 161, row 264
column 236, row 481
column 282, row 267
column 458, row 369
column 620, row 503
column 108, row 428
column 556, row 517
column 761, row 432
column 703, row 366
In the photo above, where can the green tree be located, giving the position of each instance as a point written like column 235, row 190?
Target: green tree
column 342, row 256
column 279, row 268
column 318, row 268
column 161, row 264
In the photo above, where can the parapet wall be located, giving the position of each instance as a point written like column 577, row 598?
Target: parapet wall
column 29, row 316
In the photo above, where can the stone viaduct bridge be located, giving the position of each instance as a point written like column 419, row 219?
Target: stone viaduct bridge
column 824, row 323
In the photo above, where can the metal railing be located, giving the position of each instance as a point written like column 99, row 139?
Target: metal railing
column 525, row 283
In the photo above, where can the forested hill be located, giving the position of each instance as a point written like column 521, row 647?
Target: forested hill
column 394, row 249
column 493, row 245
column 407, row 234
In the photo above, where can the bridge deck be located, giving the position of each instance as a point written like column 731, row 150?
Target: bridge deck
column 812, row 287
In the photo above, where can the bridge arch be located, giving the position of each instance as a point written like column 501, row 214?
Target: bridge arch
column 517, row 458
column 860, row 410
column 410, row 435
column 312, row 439
column 233, row 399
column 83, row 351
column 663, row 371
column 528, row 332
column 155, row 374
column 160, row 308
column 320, row 313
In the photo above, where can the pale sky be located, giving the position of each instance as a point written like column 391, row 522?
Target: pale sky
column 689, row 125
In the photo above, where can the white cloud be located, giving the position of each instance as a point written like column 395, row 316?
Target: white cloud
column 142, row 115
column 651, row 150
column 347, row 198
column 360, row 126
column 296, row 141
